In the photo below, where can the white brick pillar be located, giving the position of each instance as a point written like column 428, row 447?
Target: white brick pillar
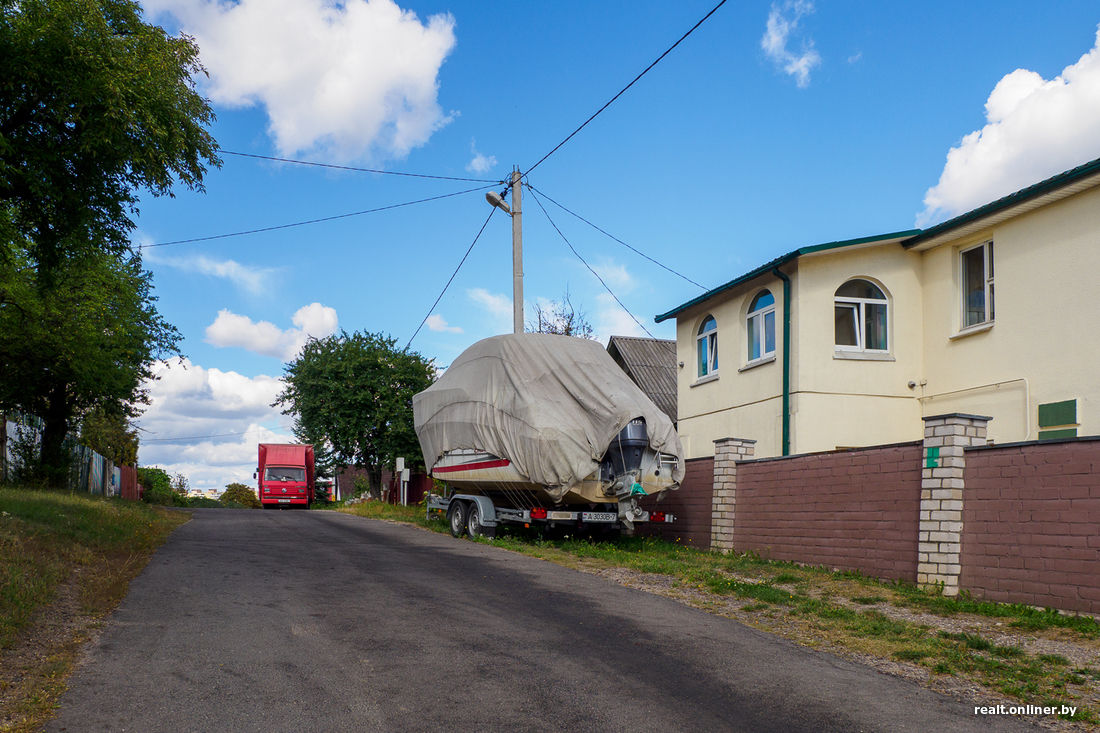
column 727, row 452
column 941, row 496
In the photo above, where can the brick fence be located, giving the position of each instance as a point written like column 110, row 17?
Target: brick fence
column 851, row 510
column 690, row 504
column 1030, row 524
column 1017, row 523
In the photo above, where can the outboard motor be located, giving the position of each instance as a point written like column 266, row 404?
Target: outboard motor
column 626, row 450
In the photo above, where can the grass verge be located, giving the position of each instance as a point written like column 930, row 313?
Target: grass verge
column 66, row 560
column 845, row 612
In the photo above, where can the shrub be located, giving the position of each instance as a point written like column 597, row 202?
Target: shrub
column 240, row 495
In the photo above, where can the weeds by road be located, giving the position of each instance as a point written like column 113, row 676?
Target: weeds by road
column 986, row 652
column 66, row 560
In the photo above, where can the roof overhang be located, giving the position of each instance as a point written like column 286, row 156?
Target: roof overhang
column 875, row 241
column 1045, row 192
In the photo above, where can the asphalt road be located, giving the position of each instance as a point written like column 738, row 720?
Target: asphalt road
column 320, row 621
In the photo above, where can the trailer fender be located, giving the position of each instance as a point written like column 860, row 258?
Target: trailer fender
column 487, row 513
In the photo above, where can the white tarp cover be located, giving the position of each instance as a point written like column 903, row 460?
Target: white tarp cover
column 549, row 404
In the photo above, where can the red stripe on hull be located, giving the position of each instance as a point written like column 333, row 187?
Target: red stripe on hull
column 500, row 463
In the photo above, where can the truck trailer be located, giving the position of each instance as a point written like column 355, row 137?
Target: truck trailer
column 539, row 429
column 285, row 475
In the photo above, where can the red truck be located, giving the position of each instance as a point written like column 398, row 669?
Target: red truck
column 285, row 475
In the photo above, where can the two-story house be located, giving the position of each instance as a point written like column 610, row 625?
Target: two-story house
column 995, row 312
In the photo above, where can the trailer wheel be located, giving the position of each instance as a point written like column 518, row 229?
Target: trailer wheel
column 474, row 527
column 456, row 517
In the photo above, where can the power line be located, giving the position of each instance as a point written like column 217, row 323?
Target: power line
column 220, row 435
column 357, row 170
column 453, row 274
column 612, row 236
column 578, row 254
column 317, row 221
column 623, row 91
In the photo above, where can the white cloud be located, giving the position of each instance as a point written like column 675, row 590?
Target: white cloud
column 616, row 276
column 436, row 323
column 782, row 21
column 498, row 306
column 339, row 80
column 1036, row 129
column 611, row 320
column 263, row 337
column 253, row 280
column 206, row 423
column 480, row 164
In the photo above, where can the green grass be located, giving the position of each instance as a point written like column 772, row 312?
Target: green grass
column 45, row 537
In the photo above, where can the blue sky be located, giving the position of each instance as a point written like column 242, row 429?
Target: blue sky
column 774, row 126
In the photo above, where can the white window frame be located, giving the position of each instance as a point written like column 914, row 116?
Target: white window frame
column 988, row 268
column 709, row 340
column 760, row 316
column 860, row 307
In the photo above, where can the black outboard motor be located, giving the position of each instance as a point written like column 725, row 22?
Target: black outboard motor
column 626, row 450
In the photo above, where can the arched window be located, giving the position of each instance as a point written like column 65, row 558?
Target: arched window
column 861, row 317
column 760, row 326
column 707, row 346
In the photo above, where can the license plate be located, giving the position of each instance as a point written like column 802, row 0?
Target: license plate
column 284, row 501
column 560, row 515
column 599, row 516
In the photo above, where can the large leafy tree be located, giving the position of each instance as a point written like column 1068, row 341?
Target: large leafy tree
column 352, row 394
column 95, row 105
column 106, row 430
column 85, row 344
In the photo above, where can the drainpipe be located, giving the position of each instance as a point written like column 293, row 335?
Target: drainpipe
column 786, row 360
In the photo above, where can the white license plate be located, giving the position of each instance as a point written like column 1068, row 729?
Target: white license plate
column 560, row 515
column 599, row 516
column 284, row 501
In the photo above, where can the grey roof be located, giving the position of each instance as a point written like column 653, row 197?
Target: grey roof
column 651, row 364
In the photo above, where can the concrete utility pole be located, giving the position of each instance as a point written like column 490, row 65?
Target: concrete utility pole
column 517, row 245
column 517, row 254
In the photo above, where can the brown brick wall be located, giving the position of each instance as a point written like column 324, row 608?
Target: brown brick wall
column 1031, row 525
column 691, row 504
column 850, row 510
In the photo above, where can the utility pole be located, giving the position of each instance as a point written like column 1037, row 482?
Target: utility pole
column 517, row 245
column 517, row 254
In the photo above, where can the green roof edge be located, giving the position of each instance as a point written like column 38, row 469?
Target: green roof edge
column 782, row 260
column 1053, row 183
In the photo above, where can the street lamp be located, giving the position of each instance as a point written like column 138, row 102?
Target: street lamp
column 497, row 200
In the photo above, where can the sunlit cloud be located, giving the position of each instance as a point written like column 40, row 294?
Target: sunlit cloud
column 1035, row 129
column 782, row 23
column 338, row 80
column 263, row 337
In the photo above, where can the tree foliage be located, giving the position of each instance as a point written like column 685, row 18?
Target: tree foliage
column 87, row 343
column 241, row 495
column 158, row 488
column 95, row 104
column 352, row 393
column 107, row 431
column 561, row 318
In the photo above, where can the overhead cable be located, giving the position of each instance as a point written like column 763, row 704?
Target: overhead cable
column 453, row 274
column 316, row 221
column 623, row 90
column 220, row 435
column 612, row 236
column 357, row 170
column 578, row 254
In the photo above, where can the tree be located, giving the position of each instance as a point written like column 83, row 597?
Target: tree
column 94, row 105
column 353, row 393
column 240, row 494
column 86, row 343
column 158, row 488
column 107, row 431
column 561, row 318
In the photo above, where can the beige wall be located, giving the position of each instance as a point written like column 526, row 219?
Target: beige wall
column 1046, row 329
column 1044, row 345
